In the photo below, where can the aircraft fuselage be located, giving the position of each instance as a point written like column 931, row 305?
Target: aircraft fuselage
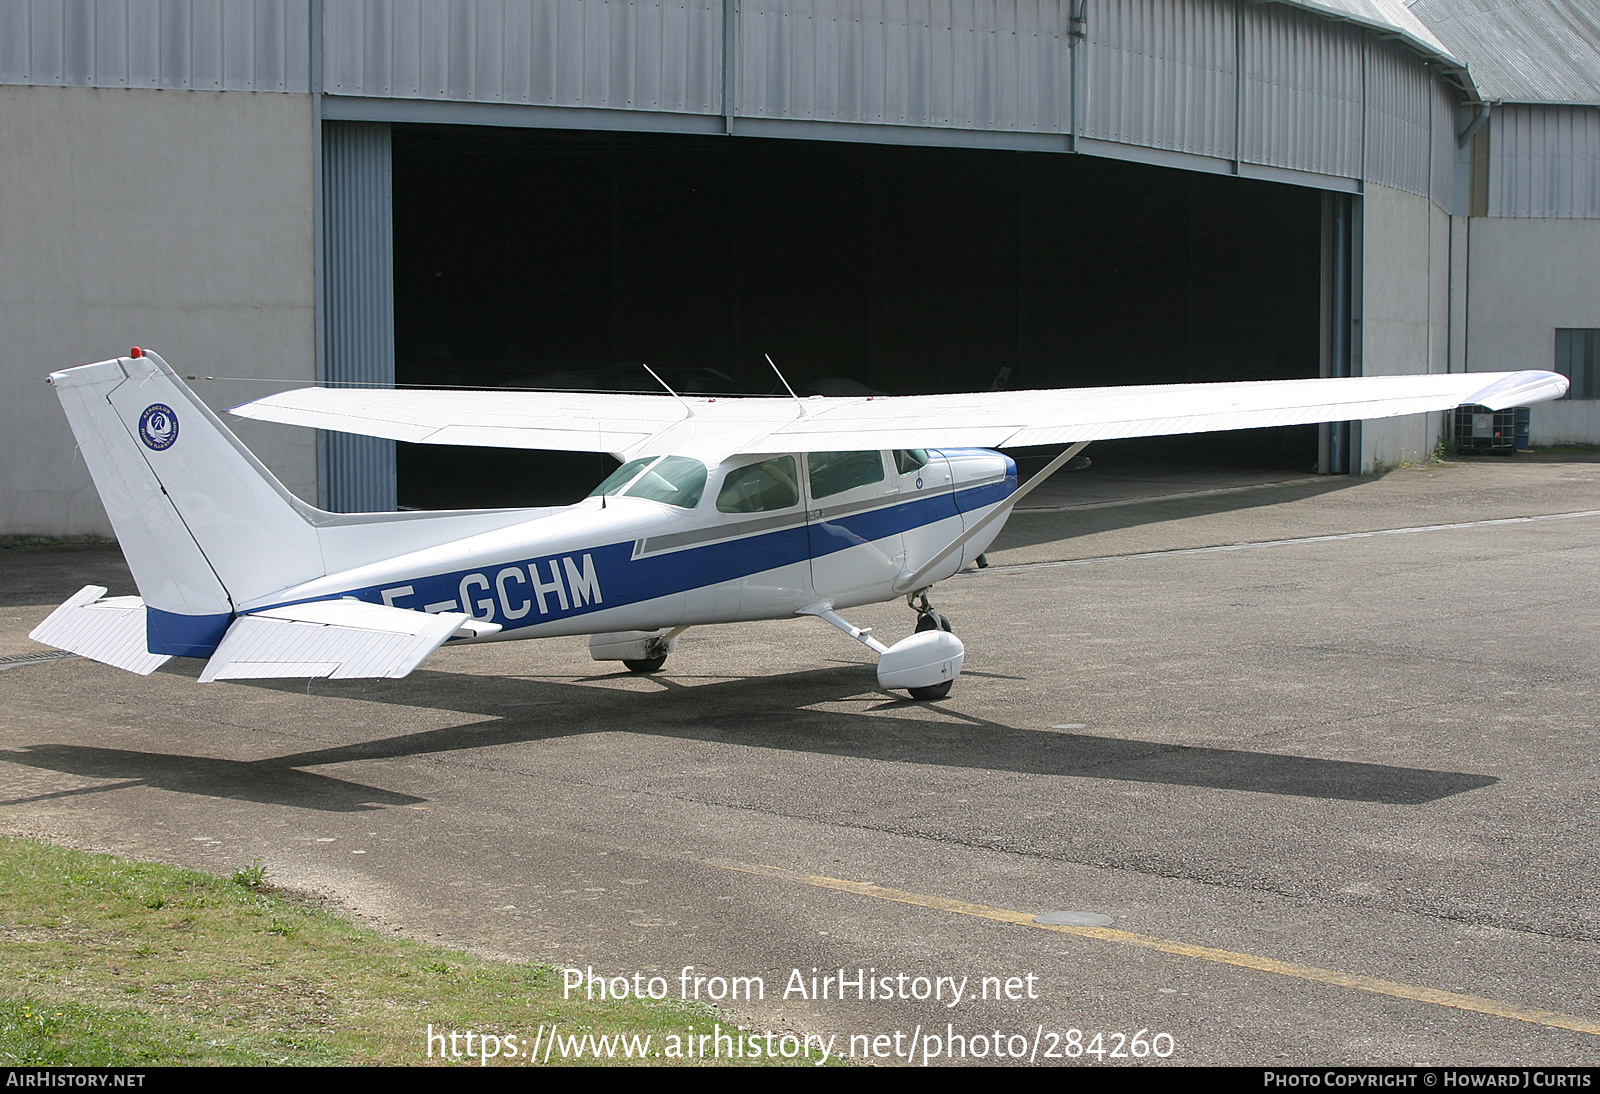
column 628, row 563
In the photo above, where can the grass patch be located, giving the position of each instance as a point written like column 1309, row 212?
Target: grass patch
column 253, row 877
column 107, row 962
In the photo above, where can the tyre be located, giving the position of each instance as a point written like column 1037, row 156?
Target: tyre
column 645, row 664
column 927, row 622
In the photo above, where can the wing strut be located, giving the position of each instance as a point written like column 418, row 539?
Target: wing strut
column 909, row 583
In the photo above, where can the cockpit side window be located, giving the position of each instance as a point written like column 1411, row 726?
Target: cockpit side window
column 908, row 460
column 835, row 472
column 760, row 487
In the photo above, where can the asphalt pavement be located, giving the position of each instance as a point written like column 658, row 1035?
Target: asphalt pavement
column 1305, row 768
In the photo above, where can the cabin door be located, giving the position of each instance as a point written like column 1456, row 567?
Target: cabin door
column 854, row 525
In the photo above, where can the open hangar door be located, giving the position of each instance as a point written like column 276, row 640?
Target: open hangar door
column 539, row 258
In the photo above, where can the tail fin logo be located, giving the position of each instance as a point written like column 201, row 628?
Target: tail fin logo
column 158, row 427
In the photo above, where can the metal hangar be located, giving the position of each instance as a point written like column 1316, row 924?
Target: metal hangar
column 908, row 195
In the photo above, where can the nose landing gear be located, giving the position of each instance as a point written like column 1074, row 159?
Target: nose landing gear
column 929, row 620
column 925, row 663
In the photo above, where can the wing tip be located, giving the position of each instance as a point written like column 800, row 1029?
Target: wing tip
column 1521, row 388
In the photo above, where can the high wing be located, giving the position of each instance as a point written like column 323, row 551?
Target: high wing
column 711, row 429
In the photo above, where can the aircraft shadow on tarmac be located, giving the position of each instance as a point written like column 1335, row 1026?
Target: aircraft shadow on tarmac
column 270, row 782
column 770, row 712
column 773, row 712
column 1033, row 527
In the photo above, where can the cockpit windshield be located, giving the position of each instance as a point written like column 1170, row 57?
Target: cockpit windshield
column 621, row 477
column 671, row 480
column 675, row 480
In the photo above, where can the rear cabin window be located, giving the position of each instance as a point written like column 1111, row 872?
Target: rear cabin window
column 760, row 487
column 835, row 472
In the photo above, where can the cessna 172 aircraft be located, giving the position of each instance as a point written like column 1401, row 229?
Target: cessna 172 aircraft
column 724, row 510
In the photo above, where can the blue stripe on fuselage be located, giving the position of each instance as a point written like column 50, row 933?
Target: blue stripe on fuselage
column 842, row 533
column 980, row 496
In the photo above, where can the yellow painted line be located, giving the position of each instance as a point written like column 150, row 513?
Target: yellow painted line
column 1372, row 984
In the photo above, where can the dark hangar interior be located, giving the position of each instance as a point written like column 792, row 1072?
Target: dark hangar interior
column 538, row 258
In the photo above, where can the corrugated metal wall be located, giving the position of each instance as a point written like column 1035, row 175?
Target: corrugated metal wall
column 190, row 45
column 1399, row 118
column 1320, row 96
column 615, row 54
column 979, row 64
column 357, row 473
column 1163, row 74
column 1545, row 161
column 1303, row 92
column 1446, row 123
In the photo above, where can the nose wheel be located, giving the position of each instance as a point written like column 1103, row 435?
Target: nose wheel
column 937, row 691
column 929, row 620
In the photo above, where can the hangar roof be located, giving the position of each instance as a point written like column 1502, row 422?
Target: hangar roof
column 1384, row 15
column 1522, row 51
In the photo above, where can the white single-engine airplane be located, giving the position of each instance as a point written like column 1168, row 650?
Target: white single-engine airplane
column 724, row 510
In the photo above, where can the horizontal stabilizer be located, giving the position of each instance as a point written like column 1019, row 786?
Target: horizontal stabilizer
column 111, row 631
column 339, row 639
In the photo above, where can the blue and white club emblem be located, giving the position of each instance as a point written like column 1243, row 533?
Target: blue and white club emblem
column 158, row 427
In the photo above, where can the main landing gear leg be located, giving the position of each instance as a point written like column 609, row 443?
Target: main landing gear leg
column 926, row 664
column 639, row 651
column 656, row 649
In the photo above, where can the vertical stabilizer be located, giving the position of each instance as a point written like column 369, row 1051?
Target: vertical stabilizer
column 204, row 526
